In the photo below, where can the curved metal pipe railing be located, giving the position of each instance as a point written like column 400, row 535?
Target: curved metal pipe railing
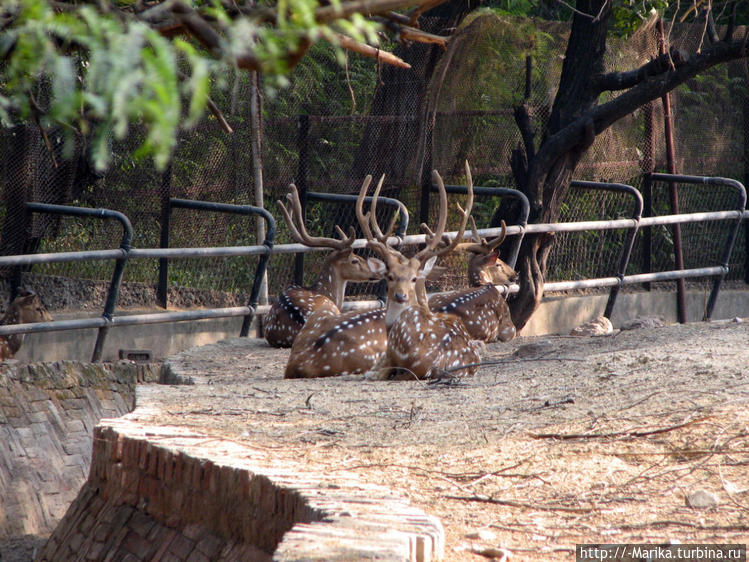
column 246, row 210
column 525, row 209
column 120, row 261
column 124, row 253
column 626, row 251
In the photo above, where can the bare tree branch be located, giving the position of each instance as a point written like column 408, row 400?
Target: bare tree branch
column 408, row 33
column 651, row 88
column 624, row 80
column 369, row 51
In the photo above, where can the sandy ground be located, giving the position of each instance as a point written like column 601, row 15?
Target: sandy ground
column 556, row 441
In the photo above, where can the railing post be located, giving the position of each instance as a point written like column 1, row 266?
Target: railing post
column 681, row 306
column 647, row 232
column 162, row 290
column 426, row 182
column 301, row 184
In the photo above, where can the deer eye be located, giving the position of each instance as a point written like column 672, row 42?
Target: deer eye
column 391, row 277
column 413, row 280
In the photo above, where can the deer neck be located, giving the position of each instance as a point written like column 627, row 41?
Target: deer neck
column 479, row 278
column 331, row 284
column 393, row 311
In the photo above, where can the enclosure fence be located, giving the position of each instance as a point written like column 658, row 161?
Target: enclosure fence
column 125, row 253
column 372, row 120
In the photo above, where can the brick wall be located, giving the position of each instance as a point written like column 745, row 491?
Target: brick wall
column 47, row 416
column 170, row 494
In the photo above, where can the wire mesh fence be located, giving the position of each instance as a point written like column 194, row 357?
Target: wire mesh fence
column 326, row 135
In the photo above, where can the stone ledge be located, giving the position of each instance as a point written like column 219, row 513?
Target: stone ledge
column 154, row 490
column 47, row 414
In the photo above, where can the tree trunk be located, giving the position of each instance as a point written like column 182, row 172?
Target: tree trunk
column 545, row 176
column 388, row 146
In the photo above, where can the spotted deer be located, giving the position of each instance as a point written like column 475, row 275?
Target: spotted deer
column 26, row 308
column 354, row 342
column 362, row 342
column 481, row 307
column 295, row 304
column 423, row 342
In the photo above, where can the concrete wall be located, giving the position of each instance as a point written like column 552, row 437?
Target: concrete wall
column 560, row 314
column 162, row 340
column 557, row 315
column 47, row 416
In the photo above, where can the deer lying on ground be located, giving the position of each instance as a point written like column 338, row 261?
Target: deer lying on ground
column 422, row 341
column 26, row 308
column 295, row 304
column 482, row 308
column 356, row 342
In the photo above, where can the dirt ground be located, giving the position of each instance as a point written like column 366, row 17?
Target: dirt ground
column 556, row 441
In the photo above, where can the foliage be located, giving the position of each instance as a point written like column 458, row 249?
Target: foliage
column 95, row 70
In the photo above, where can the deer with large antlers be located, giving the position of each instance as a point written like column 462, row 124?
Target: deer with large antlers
column 295, row 304
column 423, row 342
column 482, row 308
column 354, row 343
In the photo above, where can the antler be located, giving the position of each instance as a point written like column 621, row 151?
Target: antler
column 479, row 244
column 433, row 238
column 295, row 222
column 376, row 239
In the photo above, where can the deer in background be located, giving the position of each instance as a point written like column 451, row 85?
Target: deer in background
column 295, row 304
column 26, row 308
column 482, row 308
column 357, row 342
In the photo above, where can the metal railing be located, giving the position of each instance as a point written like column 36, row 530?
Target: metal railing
column 525, row 209
column 124, row 253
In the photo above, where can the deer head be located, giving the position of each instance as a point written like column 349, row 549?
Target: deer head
column 484, row 265
column 26, row 308
column 342, row 265
column 403, row 272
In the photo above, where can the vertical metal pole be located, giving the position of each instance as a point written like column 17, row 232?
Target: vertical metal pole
column 746, row 182
column 257, row 167
column 647, row 234
column 426, row 171
column 681, row 308
column 162, row 289
column 648, row 167
column 301, row 184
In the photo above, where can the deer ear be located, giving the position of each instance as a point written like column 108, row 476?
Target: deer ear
column 436, row 273
column 427, row 267
column 377, row 266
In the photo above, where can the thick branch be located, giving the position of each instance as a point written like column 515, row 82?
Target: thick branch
column 523, row 121
column 603, row 116
column 630, row 78
column 712, row 33
column 369, row 51
column 731, row 23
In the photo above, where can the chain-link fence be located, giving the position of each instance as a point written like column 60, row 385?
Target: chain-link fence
column 326, row 135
